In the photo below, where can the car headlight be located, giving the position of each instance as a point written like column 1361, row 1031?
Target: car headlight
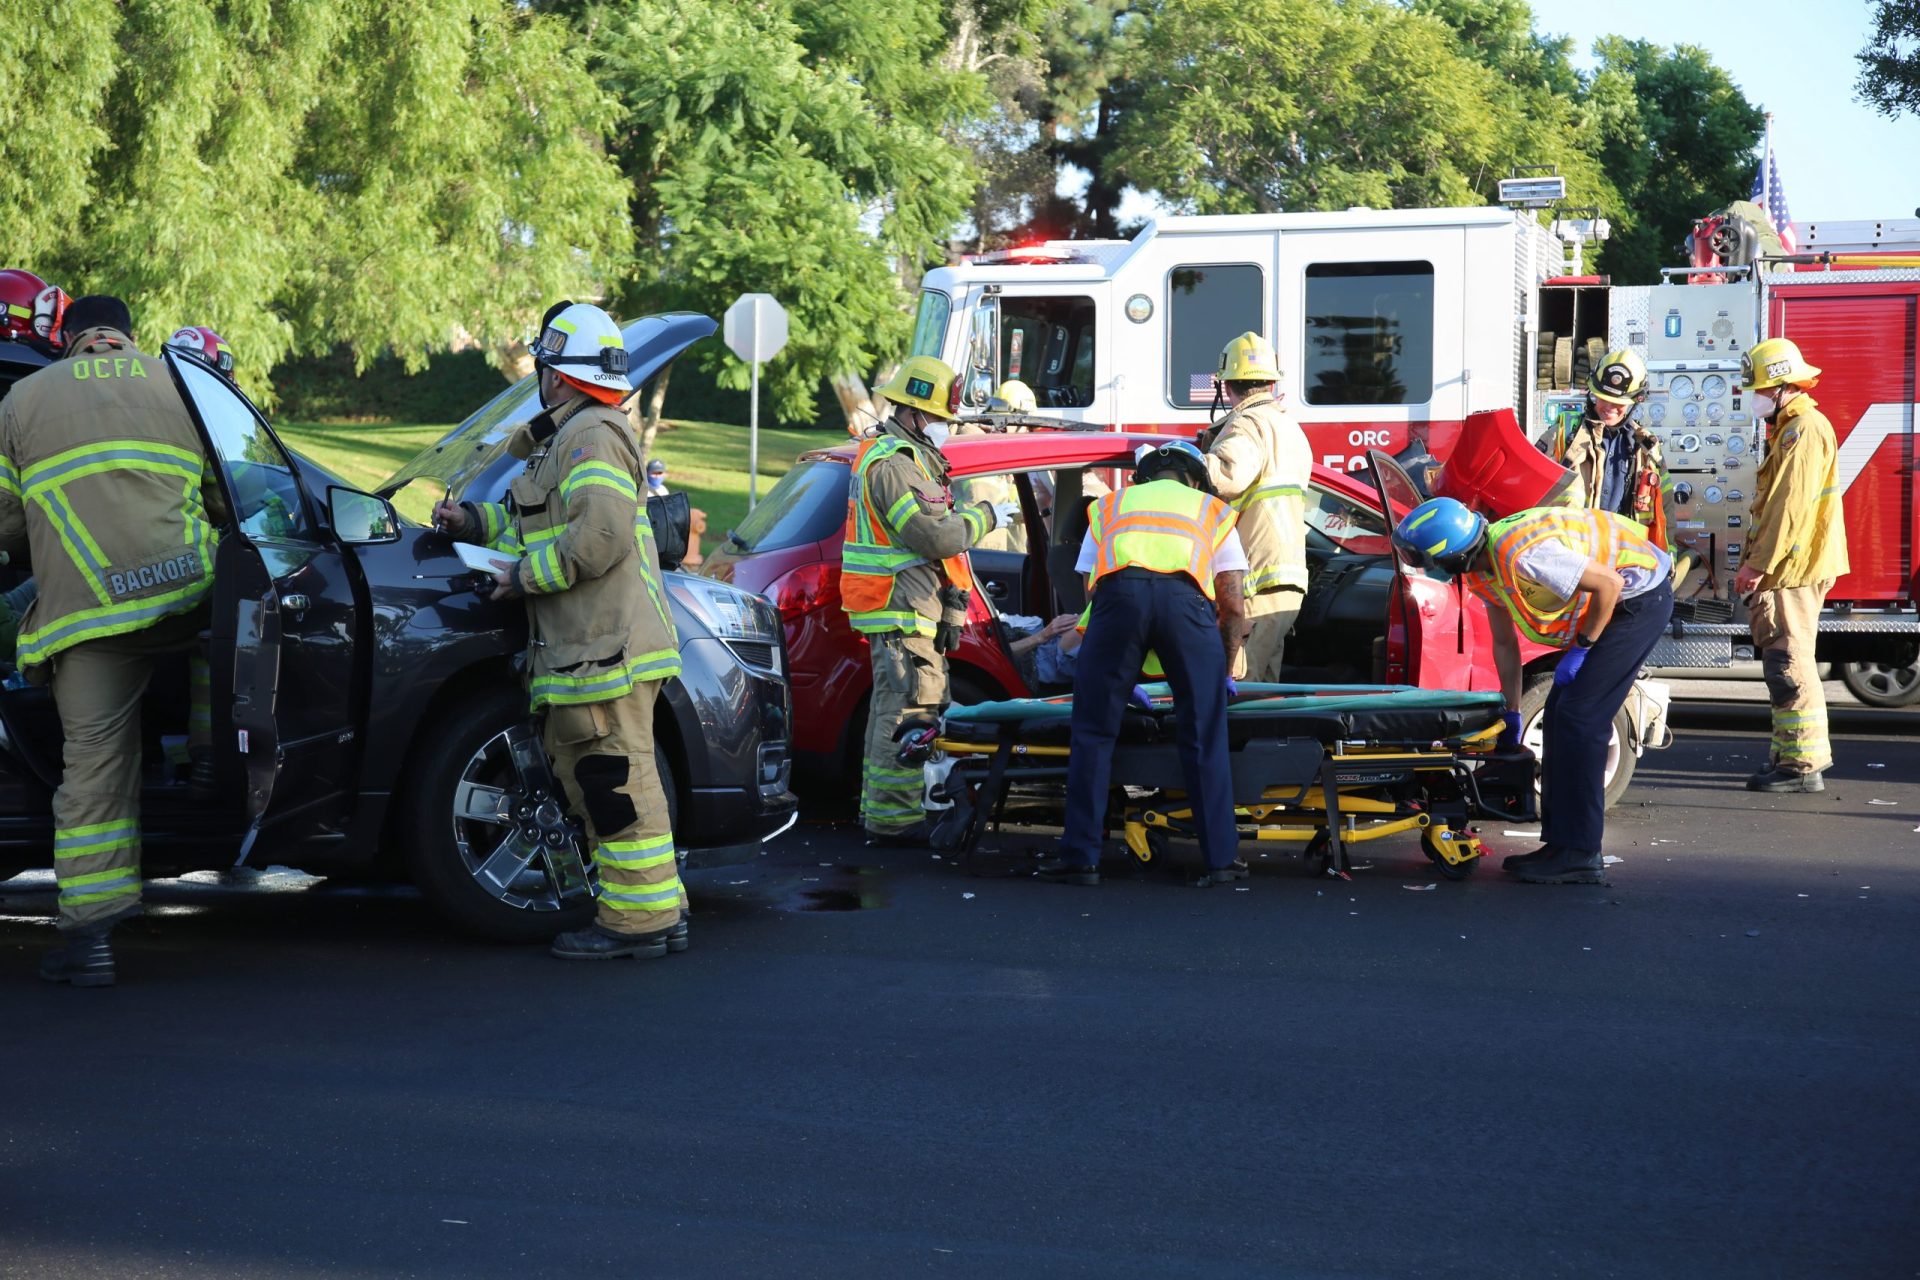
column 744, row 622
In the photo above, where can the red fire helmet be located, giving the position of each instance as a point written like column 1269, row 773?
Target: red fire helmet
column 30, row 307
column 199, row 341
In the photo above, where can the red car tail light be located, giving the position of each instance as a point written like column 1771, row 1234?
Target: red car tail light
column 800, row 591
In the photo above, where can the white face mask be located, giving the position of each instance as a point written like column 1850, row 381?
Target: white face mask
column 1765, row 403
column 937, row 432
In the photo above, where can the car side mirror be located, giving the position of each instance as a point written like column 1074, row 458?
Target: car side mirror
column 360, row 518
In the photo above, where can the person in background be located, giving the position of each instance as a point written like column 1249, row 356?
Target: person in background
column 1795, row 550
column 32, row 311
column 1259, row 463
column 1584, row 581
column 657, row 479
column 1617, row 465
column 1045, row 655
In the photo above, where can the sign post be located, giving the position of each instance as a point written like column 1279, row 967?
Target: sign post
column 756, row 330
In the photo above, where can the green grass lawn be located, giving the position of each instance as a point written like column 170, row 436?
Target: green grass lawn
column 707, row 461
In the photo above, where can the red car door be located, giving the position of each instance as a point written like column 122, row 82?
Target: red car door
column 1428, row 621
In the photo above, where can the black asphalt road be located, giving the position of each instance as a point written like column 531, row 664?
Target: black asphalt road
column 884, row 1068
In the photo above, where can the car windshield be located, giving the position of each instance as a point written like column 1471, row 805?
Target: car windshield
column 807, row 505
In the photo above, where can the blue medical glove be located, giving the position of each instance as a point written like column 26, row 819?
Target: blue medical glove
column 1233, row 690
column 1570, row 664
column 1139, row 698
column 1509, row 731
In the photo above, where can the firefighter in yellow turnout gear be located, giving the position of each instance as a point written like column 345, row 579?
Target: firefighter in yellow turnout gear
column 603, row 635
column 104, row 479
column 1796, row 549
column 1259, row 464
column 905, row 582
column 1617, row 465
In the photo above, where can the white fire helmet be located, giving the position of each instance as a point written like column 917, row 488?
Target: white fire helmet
column 584, row 343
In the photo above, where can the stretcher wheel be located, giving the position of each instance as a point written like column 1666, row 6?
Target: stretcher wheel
column 1430, row 844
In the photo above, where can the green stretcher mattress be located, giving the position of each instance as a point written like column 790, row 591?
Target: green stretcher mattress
column 1329, row 713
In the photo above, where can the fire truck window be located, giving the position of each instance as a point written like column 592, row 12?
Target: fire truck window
column 1047, row 343
column 930, row 326
column 1207, row 307
column 1369, row 333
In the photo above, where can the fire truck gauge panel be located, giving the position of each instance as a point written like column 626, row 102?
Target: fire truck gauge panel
column 1681, row 387
column 1713, row 386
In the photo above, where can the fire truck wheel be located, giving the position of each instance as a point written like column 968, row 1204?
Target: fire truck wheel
column 1620, row 757
column 1880, row 685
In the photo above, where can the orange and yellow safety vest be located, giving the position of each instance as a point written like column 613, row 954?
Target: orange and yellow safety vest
column 1613, row 540
column 1162, row 526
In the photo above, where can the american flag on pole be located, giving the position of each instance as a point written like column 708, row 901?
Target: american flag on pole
column 1771, row 196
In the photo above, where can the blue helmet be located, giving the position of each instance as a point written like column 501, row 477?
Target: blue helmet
column 1442, row 534
column 1180, row 457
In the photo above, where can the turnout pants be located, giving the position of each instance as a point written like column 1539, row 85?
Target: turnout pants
column 1266, row 643
column 909, row 678
column 603, row 754
column 97, row 686
column 1135, row 610
column 1579, row 720
column 1786, row 627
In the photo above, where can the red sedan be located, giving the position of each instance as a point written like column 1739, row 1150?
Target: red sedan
column 1366, row 619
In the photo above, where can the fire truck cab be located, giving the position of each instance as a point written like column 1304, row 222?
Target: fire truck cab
column 1392, row 326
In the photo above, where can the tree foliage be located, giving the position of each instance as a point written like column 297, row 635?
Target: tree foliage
column 1890, row 60
column 791, row 149
column 1679, row 142
column 296, row 176
column 1263, row 105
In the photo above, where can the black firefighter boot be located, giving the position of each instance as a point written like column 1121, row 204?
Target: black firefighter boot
column 595, row 943
column 1774, row 778
column 86, row 960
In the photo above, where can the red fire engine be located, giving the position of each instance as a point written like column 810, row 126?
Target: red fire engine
column 1392, row 326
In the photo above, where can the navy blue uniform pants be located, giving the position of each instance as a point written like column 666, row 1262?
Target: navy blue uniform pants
column 1133, row 611
column 1579, row 718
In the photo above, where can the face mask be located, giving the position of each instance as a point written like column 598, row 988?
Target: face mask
column 937, row 433
column 1765, row 403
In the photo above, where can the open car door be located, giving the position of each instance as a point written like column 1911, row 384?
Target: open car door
column 287, row 700
column 1427, row 618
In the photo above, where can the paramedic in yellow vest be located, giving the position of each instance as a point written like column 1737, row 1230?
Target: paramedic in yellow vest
column 905, row 582
column 1617, row 465
column 105, row 481
column 1796, row 548
column 1259, row 464
column 1588, row 583
column 602, row 634
column 1164, row 568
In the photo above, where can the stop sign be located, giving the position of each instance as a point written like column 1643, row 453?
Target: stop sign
column 756, row 327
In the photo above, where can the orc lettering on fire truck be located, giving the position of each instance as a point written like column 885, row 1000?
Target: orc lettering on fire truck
column 1392, row 326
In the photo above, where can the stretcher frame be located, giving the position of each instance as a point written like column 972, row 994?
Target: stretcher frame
column 1289, row 790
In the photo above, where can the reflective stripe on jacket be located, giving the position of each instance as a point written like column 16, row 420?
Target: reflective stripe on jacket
column 596, row 600
column 1161, row 526
column 1612, row 540
column 102, row 479
column 904, row 539
column 1799, row 534
column 1260, row 463
column 1579, row 444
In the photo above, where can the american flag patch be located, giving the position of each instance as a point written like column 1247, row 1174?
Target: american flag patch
column 1199, row 386
column 577, row 454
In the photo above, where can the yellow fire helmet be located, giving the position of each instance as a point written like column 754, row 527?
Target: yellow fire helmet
column 1249, row 358
column 1014, row 396
column 1621, row 378
column 1774, row 363
column 926, row 383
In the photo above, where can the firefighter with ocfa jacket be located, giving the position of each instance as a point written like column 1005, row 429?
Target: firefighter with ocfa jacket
column 104, row 478
column 1259, row 464
column 905, row 581
column 603, row 636
column 1617, row 465
column 1796, row 548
